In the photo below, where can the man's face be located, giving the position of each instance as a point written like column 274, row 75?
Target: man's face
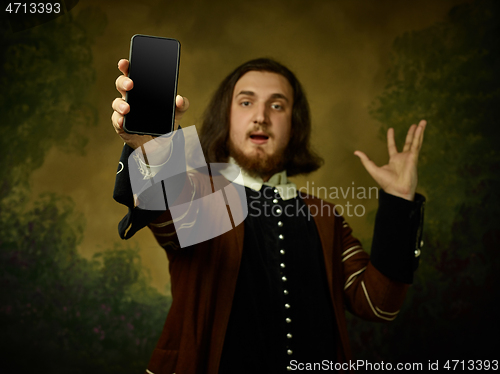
column 260, row 122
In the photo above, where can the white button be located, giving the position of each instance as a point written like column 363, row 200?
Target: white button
column 417, row 252
column 275, row 201
column 283, row 279
column 282, row 251
column 421, row 243
column 287, row 306
column 282, row 265
column 275, row 190
column 289, row 336
column 278, row 211
column 289, row 368
column 281, row 237
column 285, row 292
column 289, row 352
column 288, row 320
column 280, row 224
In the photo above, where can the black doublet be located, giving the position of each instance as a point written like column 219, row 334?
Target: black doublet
column 282, row 309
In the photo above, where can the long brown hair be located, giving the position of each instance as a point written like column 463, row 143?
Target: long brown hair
column 214, row 134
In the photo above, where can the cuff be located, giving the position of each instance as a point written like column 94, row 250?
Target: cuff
column 397, row 237
column 149, row 171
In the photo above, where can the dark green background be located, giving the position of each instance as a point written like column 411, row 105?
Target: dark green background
column 75, row 299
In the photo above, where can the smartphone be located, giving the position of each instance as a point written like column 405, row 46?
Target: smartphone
column 154, row 69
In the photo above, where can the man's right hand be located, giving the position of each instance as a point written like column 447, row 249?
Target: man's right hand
column 121, row 108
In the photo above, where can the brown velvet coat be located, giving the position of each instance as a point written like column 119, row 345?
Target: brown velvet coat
column 204, row 276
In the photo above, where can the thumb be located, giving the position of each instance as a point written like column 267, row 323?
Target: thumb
column 181, row 103
column 181, row 106
column 367, row 163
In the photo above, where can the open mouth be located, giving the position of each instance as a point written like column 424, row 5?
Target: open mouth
column 259, row 137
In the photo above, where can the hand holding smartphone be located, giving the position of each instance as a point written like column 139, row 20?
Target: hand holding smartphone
column 154, row 70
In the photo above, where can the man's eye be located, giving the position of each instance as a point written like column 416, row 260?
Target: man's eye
column 245, row 103
column 277, row 106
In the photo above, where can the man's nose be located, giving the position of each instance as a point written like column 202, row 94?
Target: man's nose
column 261, row 114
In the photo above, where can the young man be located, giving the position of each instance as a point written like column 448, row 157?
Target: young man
column 269, row 295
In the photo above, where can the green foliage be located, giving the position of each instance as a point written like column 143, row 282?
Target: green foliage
column 45, row 74
column 448, row 74
column 70, row 313
column 60, row 312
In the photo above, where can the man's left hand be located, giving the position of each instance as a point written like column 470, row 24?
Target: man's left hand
column 399, row 176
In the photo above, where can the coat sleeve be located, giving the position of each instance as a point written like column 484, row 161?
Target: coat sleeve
column 182, row 203
column 150, row 203
column 375, row 285
column 164, row 226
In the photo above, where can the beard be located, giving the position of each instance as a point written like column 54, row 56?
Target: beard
column 260, row 164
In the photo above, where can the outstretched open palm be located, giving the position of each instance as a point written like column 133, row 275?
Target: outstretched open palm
column 399, row 176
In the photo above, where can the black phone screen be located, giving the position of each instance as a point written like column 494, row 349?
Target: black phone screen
column 154, row 68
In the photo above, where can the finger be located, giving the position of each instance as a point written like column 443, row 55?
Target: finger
column 391, row 144
column 117, row 121
column 124, row 84
column 123, row 65
column 422, row 123
column 369, row 165
column 409, row 138
column 121, row 106
column 419, row 136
